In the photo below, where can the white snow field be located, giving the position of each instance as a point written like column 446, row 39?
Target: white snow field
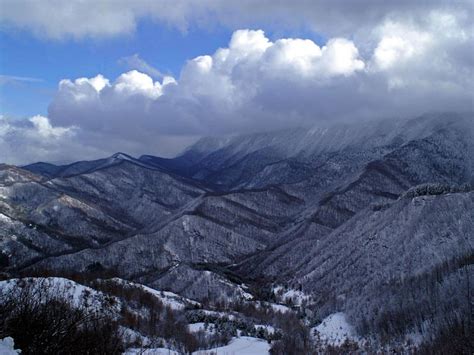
column 237, row 346
column 240, row 346
column 7, row 346
column 155, row 351
column 335, row 329
column 76, row 294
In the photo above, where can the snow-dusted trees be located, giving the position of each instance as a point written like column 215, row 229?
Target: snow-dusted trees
column 41, row 322
column 435, row 304
column 436, row 189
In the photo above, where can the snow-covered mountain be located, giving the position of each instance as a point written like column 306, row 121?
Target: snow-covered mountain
column 351, row 214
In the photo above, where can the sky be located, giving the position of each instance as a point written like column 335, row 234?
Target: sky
column 82, row 79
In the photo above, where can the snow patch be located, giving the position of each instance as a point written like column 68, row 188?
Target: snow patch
column 201, row 326
column 218, row 314
column 77, row 295
column 268, row 328
column 154, row 351
column 240, row 346
column 297, row 297
column 170, row 299
column 4, row 218
column 335, row 329
column 7, row 346
column 276, row 307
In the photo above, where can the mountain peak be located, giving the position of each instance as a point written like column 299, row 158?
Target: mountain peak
column 122, row 156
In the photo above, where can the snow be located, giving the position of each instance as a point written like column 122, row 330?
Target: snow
column 123, row 156
column 4, row 218
column 244, row 294
column 268, row 328
column 240, row 346
column 335, row 329
column 77, row 294
column 154, row 351
column 237, row 346
column 185, row 222
column 170, row 299
column 247, row 296
column 200, row 326
column 133, row 337
column 278, row 307
column 7, row 347
column 218, row 314
column 297, row 297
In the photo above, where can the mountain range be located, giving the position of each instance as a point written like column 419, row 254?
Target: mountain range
column 363, row 217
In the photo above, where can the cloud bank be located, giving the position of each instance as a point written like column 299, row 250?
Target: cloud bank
column 389, row 67
column 107, row 18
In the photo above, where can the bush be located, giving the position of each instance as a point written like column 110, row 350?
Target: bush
column 41, row 322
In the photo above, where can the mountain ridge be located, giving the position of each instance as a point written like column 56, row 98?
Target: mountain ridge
column 280, row 208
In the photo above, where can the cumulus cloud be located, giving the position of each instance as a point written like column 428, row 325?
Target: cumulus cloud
column 425, row 55
column 256, row 83
column 216, row 93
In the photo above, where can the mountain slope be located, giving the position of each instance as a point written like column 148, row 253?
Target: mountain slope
column 417, row 251
column 324, row 210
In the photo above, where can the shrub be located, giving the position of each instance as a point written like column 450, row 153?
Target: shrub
column 41, row 322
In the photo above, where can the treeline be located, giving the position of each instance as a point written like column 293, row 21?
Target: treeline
column 436, row 189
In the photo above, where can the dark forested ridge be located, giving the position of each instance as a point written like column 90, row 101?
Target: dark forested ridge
column 267, row 235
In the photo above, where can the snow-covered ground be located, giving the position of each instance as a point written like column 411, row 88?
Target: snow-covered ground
column 155, row 351
column 133, row 337
column 277, row 307
column 297, row 297
column 237, row 346
column 268, row 328
column 76, row 294
column 218, row 314
column 196, row 327
column 173, row 300
column 7, row 347
column 335, row 329
column 240, row 346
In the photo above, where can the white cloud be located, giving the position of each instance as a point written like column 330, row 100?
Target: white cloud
column 7, row 79
column 36, row 139
column 426, row 56
column 137, row 63
column 33, row 139
column 43, row 128
column 341, row 57
column 246, row 43
column 106, row 18
column 400, row 43
column 306, row 59
column 136, row 83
